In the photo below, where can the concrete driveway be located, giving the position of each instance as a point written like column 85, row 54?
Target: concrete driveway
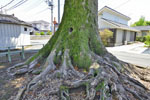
column 135, row 54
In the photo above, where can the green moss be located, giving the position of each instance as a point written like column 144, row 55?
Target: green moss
column 32, row 58
column 37, row 72
column 100, row 86
column 63, row 88
column 77, row 32
column 119, row 67
column 58, row 75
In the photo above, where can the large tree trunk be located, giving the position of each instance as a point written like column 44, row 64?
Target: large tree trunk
column 77, row 56
column 77, row 33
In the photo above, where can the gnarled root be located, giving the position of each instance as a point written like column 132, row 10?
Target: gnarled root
column 105, row 81
column 23, row 68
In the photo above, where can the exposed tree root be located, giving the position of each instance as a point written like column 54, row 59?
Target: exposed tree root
column 104, row 81
column 77, row 66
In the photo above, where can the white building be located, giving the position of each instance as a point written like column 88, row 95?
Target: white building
column 13, row 32
column 41, row 26
column 113, row 20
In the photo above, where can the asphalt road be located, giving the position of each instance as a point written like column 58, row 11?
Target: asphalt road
column 142, row 60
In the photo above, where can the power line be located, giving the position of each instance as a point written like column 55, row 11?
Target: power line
column 7, row 4
column 41, row 11
column 122, row 4
column 17, row 4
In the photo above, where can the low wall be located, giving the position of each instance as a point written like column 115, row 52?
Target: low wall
column 40, row 37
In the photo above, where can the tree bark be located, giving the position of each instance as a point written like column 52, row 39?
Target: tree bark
column 75, row 47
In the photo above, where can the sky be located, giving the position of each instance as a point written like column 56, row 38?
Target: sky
column 33, row 10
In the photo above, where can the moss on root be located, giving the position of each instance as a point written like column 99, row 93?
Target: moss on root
column 100, row 86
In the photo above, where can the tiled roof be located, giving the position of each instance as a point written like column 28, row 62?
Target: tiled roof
column 12, row 20
column 40, row 21
column 106, row 7
column 121, row 26
column 142, row 28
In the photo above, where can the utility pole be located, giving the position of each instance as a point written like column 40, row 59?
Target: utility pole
column 52, row 17
column 1, row 10
column 50, row 4
column 58, row 11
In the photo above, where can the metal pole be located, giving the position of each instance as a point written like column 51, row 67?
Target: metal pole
column 52, row 26
column 22, row 53
column 58, row 11
column 9, row 56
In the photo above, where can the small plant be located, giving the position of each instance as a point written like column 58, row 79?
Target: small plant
column 49, row 33
column 42, row 33
column 147, row 41
column 37, row 33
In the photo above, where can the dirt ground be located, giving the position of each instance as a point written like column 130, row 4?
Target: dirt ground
column 9, row 85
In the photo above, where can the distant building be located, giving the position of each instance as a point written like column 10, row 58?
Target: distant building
column 13, row 32
column 145, row 30
column 40, row 26
column 117, row 22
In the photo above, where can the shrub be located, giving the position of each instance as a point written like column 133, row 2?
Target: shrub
column 49, row 33
column 42, row 33
column 141, row 39
column 106, row 35
column 37, row 33
column 147, row 41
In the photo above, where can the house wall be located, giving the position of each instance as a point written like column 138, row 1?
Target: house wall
column 24, row 38
column 9, row 35
column 42, row 26
column 103, row 25
column 128, row 36
column 12, row 35
column 119, row 35
column 113, row 17
column 132, row 36
column 144, row 33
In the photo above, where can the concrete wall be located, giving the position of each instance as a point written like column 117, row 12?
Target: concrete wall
column 13, row 35
column 40, row 37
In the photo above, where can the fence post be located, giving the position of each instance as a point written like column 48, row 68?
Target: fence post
column 9, row 56
column 22, row 53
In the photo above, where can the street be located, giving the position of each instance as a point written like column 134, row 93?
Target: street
column 134, row 53
column 142, row 60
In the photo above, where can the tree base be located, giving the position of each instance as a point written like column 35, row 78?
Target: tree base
column 106, row 80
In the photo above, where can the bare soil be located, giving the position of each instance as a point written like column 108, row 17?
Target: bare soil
column 9, row 84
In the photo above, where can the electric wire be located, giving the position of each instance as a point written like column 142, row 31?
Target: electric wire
column 7, row 4
column 122, row 4
column 17, row 4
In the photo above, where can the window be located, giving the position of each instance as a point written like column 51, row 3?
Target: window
column 25, row 29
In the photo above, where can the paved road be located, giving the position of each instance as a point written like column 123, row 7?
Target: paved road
column 142, row 60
